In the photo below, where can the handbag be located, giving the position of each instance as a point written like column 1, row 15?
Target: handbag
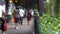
column 5, row 26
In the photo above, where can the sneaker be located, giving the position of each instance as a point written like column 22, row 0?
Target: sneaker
column 16, row 27
column 3, row 33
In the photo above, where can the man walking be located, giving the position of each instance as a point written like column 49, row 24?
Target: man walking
column 21, row 12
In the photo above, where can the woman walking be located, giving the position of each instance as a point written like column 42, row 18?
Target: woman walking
column 28, row 16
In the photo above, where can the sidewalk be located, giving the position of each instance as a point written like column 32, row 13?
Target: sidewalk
column 23, row 29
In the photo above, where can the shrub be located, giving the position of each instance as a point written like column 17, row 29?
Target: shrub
column 50, row 24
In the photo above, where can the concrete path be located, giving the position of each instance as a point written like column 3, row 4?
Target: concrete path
column 23, row 29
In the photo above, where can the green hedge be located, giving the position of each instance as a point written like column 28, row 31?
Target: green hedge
column 49, row 24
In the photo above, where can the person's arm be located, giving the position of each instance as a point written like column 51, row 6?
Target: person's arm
column 13, row 12
column 4, row 15
column 4, row 12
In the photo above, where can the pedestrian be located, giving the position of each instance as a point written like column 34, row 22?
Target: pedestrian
column 2, row 17
column 32, row 12
column 9, row 14
column 28, row 16
column 16, row 17
column 21, row 12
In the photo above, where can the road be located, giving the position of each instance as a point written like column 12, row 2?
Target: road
column 23, row 29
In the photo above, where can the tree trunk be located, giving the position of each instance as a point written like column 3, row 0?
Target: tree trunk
column 53, row 7
column 40, row 7
column 57, row 7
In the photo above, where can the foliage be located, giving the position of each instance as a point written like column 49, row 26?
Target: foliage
column 57, row 7
column 50, row 24
column 48, row 7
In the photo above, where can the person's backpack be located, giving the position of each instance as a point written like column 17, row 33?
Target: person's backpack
column 16, row 13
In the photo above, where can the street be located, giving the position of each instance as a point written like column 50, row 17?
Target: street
column 23, row 29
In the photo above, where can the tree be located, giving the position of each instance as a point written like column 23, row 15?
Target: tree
column 40, row 7
column 53, row 7
column 48, row 7
column 57, row 7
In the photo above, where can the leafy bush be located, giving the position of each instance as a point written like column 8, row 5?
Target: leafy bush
column 50, row 24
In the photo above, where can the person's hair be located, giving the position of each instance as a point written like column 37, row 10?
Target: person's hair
column 17, row 7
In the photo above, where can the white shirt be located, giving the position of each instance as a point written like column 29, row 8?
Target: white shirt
column 2, row 9
column 21, row 12
column 32, row 12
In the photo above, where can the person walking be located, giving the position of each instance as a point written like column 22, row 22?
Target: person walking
column 21, row 12
column 16, row 17
column 9, row 14
column 32, row 12
column 28, row 16
column 2, row 17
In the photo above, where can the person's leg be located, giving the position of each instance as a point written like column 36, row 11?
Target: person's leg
column 0, row 24
column 21, row 20
column 10, row 17
column 28, row 21
column 7, row 19
column 3, row 32
column 16, row 23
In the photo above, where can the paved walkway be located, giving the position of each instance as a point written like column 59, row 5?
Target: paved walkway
column 23, row 29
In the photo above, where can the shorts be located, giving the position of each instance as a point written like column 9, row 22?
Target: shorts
column 16, row 20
